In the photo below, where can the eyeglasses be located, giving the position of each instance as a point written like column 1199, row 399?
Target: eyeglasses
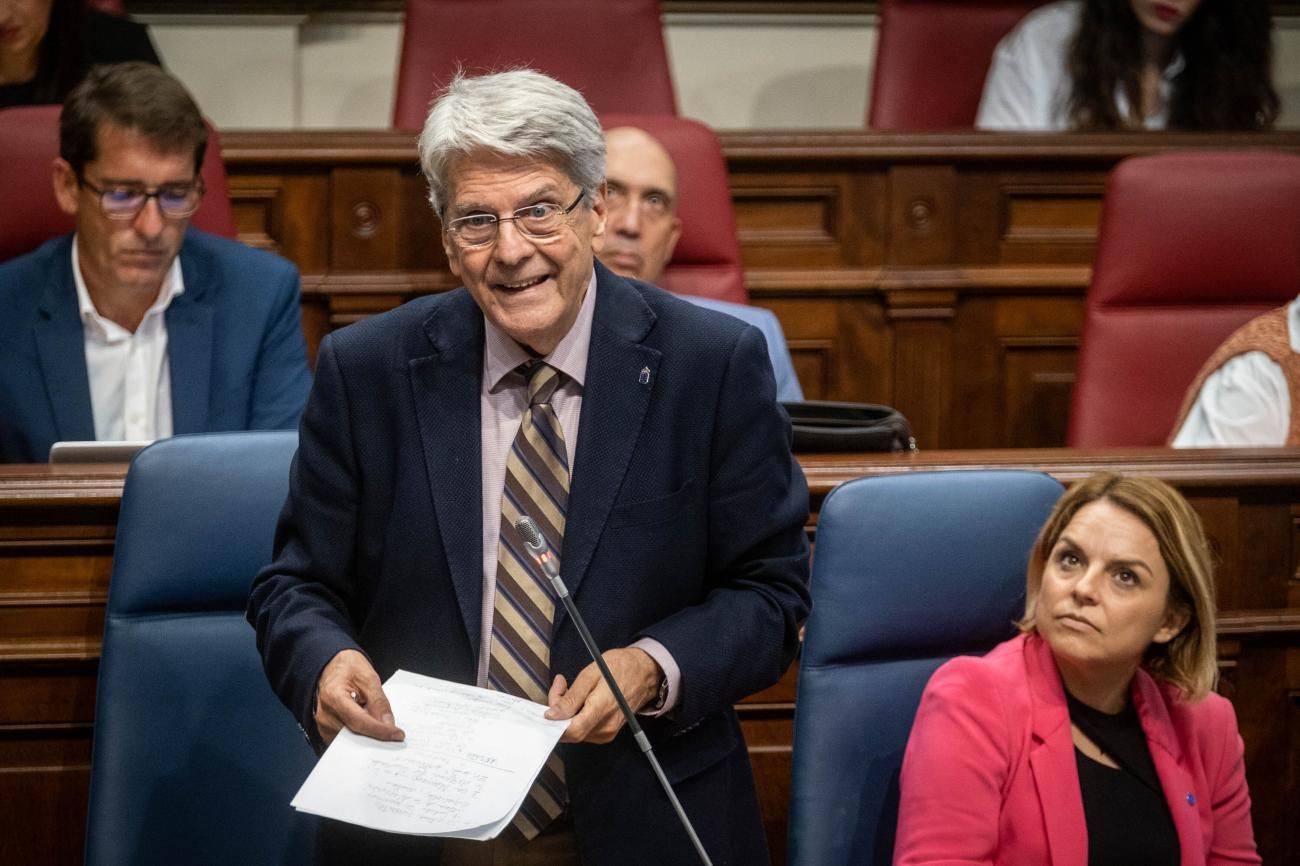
column 540, row 222
column 175, row 201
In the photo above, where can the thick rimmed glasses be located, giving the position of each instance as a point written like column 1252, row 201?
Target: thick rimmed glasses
column 540, row 222
column 176, row 201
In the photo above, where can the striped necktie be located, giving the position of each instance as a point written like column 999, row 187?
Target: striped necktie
column 523, row 610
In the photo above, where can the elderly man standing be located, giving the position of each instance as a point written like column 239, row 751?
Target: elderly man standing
column 136, row 326
column 643, row 230
column 643, row 435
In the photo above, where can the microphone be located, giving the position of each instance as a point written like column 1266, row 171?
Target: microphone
column 541, row 553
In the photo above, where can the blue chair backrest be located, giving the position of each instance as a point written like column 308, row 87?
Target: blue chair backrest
column 909, row 570
column 195, row 760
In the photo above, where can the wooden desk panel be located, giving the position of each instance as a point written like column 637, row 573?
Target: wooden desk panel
column 56, row 553
column 942, row 273
column 56, row 538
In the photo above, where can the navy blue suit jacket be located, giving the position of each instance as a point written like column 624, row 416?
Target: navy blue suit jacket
column 234, row 338
column 685, row 524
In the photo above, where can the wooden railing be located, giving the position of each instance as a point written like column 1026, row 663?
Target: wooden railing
column 940, row 273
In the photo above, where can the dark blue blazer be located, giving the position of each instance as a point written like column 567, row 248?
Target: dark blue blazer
column 685, row 524
column 235, row 343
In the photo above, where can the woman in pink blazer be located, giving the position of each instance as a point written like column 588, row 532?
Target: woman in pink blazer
column 1092, row 738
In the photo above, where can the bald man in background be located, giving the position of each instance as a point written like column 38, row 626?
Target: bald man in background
column 642, row 230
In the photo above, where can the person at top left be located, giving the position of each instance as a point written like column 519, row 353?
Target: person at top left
column 136, row 326
column 47, row 46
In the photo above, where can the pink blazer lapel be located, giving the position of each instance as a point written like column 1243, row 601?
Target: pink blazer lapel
column 1171, row 766
column 1052, row 761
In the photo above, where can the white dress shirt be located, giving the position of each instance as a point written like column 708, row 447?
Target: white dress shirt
column 1246, row 402
column 1028, row 85
column 130, row 379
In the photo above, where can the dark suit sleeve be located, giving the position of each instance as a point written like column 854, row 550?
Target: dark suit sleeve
column 282, row 379
column 299, row 604
column 742, row 637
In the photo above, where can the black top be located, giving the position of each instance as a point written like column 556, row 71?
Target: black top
column 1129, row 823
column 104, row 39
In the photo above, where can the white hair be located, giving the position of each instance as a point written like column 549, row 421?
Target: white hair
column 516, row 113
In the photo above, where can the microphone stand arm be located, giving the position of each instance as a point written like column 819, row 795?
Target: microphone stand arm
column 637, row 734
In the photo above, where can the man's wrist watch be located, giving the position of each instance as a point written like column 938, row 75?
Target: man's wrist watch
column 661, row 696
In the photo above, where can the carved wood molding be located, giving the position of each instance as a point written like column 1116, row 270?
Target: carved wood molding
column 313, row 7
column 1254, row 624
column 670, row 7
column 1189, row 469
column 896, row 285
column 895, row 148
column 770, row 146
column 34, row 485
column 31, row 652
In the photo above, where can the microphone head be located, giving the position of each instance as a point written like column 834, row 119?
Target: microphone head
column 531, row 535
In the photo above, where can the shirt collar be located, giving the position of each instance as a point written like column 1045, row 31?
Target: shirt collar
column 502, row 355
column 173, row 285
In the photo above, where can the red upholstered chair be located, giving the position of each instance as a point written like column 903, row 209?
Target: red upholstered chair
column 114, row 7
column 611, row 50
column 706, row 261
column 29, row 144
column 1191, row 246
column 932, row 57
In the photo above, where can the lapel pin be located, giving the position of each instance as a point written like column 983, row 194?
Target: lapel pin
column 644, row 378
column 1191, row 799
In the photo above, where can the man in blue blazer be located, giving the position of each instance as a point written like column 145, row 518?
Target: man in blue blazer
column 136, row 327
column 682, row 538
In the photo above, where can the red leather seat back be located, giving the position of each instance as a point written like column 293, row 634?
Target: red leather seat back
column 706, row 261
column 611, row 50
column 1191, row 246
column 29, row 144
column 113, row 7
column 932, row 58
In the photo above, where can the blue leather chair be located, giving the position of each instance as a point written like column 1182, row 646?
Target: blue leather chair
column 909, row 571
column 195, row 760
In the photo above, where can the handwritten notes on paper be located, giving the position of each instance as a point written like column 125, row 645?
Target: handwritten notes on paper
column 469, row 757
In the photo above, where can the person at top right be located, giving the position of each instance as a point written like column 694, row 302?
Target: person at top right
column 1096, row 65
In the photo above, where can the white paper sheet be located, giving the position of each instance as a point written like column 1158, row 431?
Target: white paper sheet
column 469, row 758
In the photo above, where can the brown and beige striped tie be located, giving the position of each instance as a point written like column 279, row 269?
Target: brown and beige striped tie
column 523, row 611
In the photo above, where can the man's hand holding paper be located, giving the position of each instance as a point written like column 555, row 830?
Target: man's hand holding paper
column 349, row 695
column 468, row 759
column 589, row 703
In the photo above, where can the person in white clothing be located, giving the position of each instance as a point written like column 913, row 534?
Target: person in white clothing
column 1134, row 64
column 1246, row 394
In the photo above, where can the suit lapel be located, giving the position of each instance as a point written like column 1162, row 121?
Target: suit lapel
column 621, row 377
column 446, row 388
column 60, row 345
column 1052, row 761
column 189, row 345
column 1167, row 755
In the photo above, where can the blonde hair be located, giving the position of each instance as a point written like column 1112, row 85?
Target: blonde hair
column 1189, row 660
